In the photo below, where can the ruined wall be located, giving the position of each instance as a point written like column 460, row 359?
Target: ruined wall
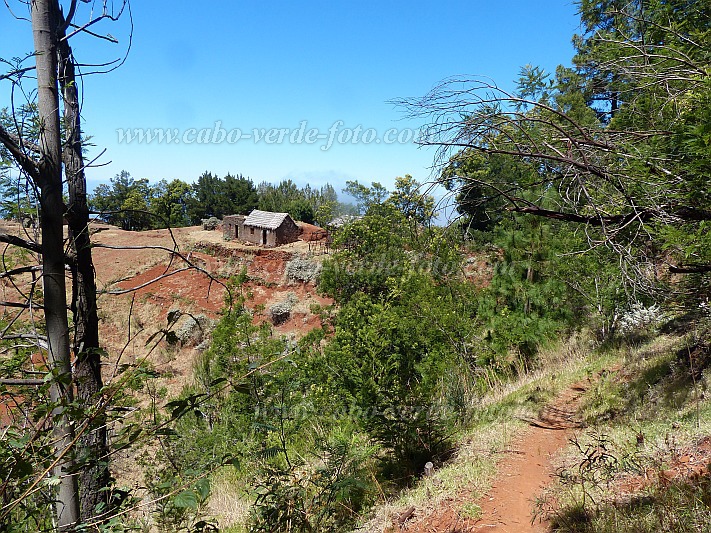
column 287, row 232
column 232, row 227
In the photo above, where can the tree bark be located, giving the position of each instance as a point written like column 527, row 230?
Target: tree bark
column 94, row 475
column 44, row 28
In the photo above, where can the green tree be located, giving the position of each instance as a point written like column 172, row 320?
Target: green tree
column 479, row 207
column 527, row 302
column 19, row 198
column 366, row 197
column 402, row 343
column 170, row 203
column 277, row 198
column 206, row 197
column 372, row 250
column 301, row 210
column 216, row 197
column 134, row 211
column 19, row 195
column 388, row 367
column 416, row 205
column 620, row 138
column 240, row 195
column 302, row 204
column 124, row 203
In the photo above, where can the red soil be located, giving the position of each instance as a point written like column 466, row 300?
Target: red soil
column 522, row 475
column 309, row 232
column 167, row 288
column 173, row 288
column 689, row 463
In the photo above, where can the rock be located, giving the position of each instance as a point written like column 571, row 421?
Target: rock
column 193, row 330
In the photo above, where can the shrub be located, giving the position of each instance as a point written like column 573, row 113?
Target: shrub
column 303, row 270
column 325, row 494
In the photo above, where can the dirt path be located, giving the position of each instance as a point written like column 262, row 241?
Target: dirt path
column 522, row 475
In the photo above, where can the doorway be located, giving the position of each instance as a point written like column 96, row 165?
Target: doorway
column 264, row 237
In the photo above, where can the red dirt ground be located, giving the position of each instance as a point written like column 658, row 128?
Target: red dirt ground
column 122, row 261
column 174, row 288
column 522, row 475
column 690, row 463
column 195, row 292
column 309, row 232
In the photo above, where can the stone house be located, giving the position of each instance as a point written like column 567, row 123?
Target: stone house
column 261, row 227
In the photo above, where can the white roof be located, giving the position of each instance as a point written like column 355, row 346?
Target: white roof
column 265, row 219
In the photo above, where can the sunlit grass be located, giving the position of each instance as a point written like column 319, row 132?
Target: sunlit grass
column 650, row 412
column 496, row 421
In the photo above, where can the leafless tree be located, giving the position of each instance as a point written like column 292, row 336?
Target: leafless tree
column 56, row 156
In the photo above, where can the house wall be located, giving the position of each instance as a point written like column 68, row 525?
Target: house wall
column 254, row 235
column 287, row 232
column 232, row 227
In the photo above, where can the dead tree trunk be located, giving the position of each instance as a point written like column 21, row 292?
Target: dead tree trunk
column 94, row 475
column 49, row 179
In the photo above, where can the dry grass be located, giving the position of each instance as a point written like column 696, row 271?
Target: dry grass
column 652, row 417
column 497, row 423
column 558, row 360
column 228, row 504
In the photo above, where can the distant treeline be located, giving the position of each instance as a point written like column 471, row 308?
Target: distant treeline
column 136, row 204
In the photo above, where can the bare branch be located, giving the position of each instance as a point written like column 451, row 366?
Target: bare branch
column 70, row 15
column 22, row 382
column 83, row 28
column 20, row 270
column 20, row 305
column 26, row 162
column 38, row 341
column 154, row 280
column 17, row 72
column 22, row 243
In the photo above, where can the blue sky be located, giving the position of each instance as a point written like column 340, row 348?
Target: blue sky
column 249, row 64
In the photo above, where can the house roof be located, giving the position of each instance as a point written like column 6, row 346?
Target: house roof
column 265, row 219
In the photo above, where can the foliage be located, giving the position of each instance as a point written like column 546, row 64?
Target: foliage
column 19, row 195
column 170, row 202
column 478, row 206
column 527, row 302
column 216, row 197
column 404, row 323
column 306, row 204
column 325, row 494
column 640, row 318
column 387, row 367
column 617, row 144
column 137, row 205
column 125, row 202
column 366, row 197
column 26, row 446
column 416, row 205
column 303, row 270
column 371, row 253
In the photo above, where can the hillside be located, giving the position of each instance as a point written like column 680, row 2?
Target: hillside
column 154, row 282
column 601, row 439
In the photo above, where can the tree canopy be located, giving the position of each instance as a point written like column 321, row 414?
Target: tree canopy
column 622, row 137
